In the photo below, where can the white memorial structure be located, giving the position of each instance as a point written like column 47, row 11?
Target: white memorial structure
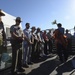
column 8, row 20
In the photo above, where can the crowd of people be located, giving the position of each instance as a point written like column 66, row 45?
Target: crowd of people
column 29, row 46
column 33, row 44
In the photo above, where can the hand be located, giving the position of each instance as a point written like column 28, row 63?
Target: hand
column 22, row 38
column 47, row 39
column 31, row 42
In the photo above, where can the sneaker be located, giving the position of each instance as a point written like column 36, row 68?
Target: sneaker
column 21, row 70
column 26, row 66
column 30, row 63
column 13, row 73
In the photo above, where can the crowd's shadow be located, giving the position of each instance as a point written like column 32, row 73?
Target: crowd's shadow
column 36, row 61
column 48, row 67
column 41, row 59
column 45, row 68
column 67, row 67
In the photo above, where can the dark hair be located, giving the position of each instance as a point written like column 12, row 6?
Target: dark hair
column 27, row 24
column 59, row 24
column 38, row 28
column 67, row 30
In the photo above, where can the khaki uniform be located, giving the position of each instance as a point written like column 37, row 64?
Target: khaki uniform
column 16, row 48
column 2, row 38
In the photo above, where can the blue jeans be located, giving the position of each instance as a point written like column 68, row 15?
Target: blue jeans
column 26, row 53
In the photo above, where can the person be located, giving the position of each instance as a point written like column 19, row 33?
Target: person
column 74, row 34
column 46, row 40
column 61, row 29
column 38, row 44
column 33, row 39
column 27, row 46
column 50, row 41
column 41, row 45
column 2, row 34
column 16, row 43
column 69, row 40
column 61, row 45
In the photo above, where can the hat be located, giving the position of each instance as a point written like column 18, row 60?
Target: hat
column 1, row 13
column 18, row 19
column 33, row 28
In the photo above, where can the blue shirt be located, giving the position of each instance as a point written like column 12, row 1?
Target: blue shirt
column 61, row 29
column 28, row 35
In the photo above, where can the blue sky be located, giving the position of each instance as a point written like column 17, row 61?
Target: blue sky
column 41, row 13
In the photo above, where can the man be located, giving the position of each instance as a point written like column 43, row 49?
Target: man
column 50, row 41
column 69, row 40
column 27, row 47
column 16, row 43
column 38, row 43
column 61, row 43
column 33, row 38
column 2, row 33
column 46, row 40
column 61, row 29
